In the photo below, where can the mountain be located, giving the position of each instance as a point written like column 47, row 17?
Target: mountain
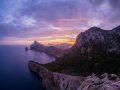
column 62, row 46
column 95, row 51
column 92, row 63
column 51, row 50
column 37, row 47
column 96, row 40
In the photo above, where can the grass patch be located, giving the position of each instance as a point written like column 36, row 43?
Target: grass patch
column 77, row 64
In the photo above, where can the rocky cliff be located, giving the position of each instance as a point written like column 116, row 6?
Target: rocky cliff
column 103, row 46
column 51, row 50
column 96, row 40
column 57, row 81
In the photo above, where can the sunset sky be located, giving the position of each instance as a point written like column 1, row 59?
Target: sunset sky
column 54, row 21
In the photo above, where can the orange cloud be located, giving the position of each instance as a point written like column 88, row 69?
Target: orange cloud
column 58, row 41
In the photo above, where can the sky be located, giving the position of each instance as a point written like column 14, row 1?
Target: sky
column 54, row 21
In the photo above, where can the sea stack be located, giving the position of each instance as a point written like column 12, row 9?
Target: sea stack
column 26, row 48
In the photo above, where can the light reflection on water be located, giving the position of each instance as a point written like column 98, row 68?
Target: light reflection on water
column 39, row 57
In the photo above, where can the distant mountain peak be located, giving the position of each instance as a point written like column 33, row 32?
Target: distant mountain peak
column 35, row 42
column 94, row 28
column 51, row 50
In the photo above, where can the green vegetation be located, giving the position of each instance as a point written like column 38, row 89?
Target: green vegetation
column 78, row 64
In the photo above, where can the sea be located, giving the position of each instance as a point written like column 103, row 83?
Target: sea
column 14, row 71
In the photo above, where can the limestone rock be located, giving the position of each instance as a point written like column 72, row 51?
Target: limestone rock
column 58, row 81
column 96, row 40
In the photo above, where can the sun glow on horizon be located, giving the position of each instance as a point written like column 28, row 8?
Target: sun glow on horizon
column 29, row 41
column 54, row 21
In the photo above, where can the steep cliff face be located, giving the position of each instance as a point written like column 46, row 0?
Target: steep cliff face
column 51, row 50
column 57, row 81
column 95, row 50
column 96, row 40
column 37, row 47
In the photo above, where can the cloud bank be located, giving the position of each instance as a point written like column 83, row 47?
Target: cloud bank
column 54, row 21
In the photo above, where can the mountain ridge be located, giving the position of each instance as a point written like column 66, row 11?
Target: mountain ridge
column 87, row 65
column 103, row 40
column 95, row 51
column 50, row 50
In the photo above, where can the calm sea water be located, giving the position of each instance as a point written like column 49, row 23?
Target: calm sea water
column 14, row 72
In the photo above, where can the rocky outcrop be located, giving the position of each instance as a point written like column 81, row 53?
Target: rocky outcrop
column 37, row 47
column 26, row 48
column 104, row 45
column 51, row 50
column 57, row 81
column 96, row 40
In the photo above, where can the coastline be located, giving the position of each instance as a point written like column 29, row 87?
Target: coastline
column 57, row 81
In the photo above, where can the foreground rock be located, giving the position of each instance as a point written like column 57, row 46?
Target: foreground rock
column 57, row 81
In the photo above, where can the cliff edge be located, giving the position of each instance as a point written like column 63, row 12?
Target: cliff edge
column 57, row 81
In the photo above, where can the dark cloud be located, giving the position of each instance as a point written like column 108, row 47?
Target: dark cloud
column 17, row 17
column 115, row 3
column 48, row 11
column 9, row 30
column 55, row 9
column 114, row 15
column 96, row 2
